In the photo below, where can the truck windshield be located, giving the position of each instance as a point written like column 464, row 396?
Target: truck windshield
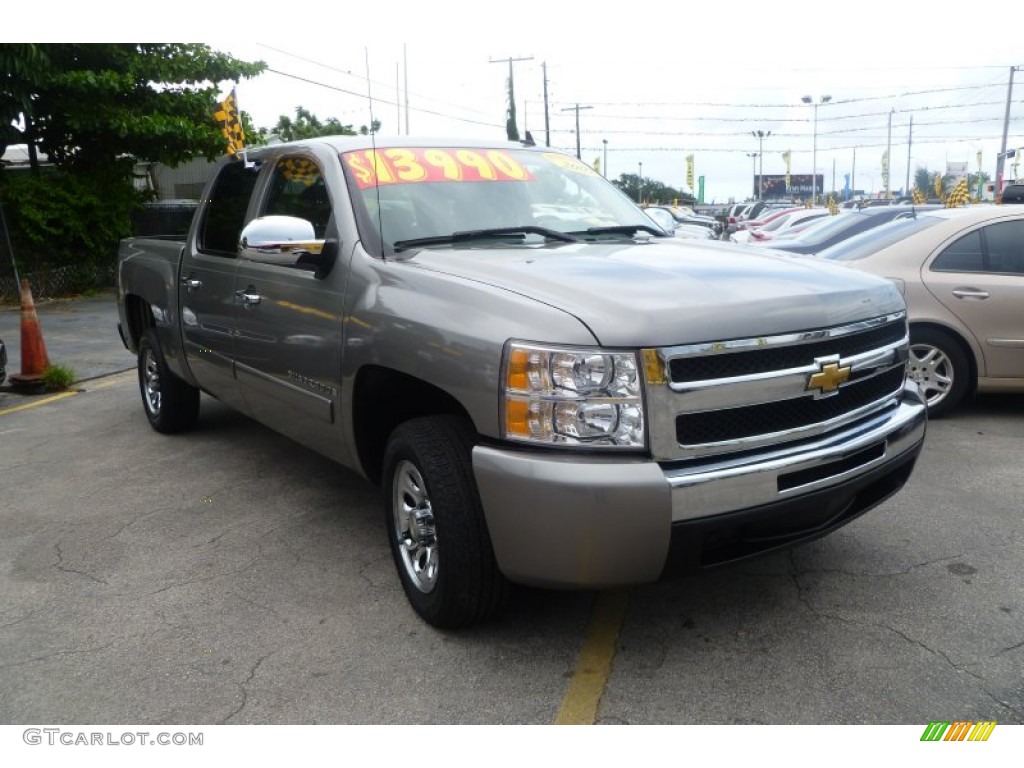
column 424, row 196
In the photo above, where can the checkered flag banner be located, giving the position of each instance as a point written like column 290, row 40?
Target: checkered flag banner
column 231, row 124
column 919, row 198
column 299, row 170
column 959, row 196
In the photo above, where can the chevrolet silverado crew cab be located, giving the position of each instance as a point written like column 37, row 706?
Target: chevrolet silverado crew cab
column 549, row 389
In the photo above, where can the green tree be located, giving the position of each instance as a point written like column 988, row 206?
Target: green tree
column 97, row 106
column 95, row 110
column 306, row 125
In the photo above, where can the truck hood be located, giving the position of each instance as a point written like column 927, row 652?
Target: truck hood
column 669, row 291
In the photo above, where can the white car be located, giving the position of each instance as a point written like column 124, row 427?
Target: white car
column 782, row 225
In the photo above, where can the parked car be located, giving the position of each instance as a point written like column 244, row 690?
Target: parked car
column 744, row 228
column 1013, row 194
column 961, row 271
column 826, row 232
column 784, row 223
column 686, row 216
column 664, row 219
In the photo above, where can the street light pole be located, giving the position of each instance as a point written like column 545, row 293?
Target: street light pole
column 640, row 185
column 753, row 170
column 760, row 136
column 814, row 150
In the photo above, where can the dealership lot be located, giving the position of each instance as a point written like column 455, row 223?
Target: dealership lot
column 231, row 576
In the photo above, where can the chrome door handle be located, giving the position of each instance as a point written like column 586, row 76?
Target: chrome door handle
column 247, row 298
column 191, row 284
column 969, row 293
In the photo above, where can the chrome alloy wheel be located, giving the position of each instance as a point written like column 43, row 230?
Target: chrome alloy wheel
column 933, row 371
column 150, row 381
column 414, row 526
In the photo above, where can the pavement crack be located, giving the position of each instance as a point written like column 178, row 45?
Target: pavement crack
column 37, row 659
column 59, row 565
column 245, row 691
column 1010, row 648
column 211, row 577
column 20, row 619
column 1016, row 712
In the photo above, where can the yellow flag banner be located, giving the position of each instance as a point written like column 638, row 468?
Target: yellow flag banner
column 919, row 198
column 938, row 185
column 230, row 121
column 833, row 208
column 689, row 172
column 597, row 164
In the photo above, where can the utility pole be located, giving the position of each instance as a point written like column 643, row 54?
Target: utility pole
column 547, row 121
column 577, row 109
column 1001, row 157
column 910, row 142
column 853, row 173
column 753, row 170
column 510, row 123
column 405, row 65
column 760, row 136
column 888, row 156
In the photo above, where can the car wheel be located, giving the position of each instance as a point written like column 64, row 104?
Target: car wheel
column 939, row 365
column 171, row 404
column 435, row 522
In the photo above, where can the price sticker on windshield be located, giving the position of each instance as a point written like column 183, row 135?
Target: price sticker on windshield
column 412, row 165
column 570, row 164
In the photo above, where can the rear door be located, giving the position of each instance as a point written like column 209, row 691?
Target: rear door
column 289, row 327
column 206, row 283
column 980, row 278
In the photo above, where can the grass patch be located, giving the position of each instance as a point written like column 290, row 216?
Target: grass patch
column 57, row 378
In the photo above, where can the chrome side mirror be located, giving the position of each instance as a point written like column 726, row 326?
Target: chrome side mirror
column 283, row 240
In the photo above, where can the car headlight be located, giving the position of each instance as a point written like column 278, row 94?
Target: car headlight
column 572, row 397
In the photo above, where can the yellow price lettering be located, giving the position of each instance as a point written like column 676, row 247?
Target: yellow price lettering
column 406, row 165
column 363, row 172
column 380, row 167
column 476, row 160
column 507, row 165
column 441, row 159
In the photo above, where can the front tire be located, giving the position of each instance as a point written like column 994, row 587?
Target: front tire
column 435, row 523
column 171, row 404
column 939, row 365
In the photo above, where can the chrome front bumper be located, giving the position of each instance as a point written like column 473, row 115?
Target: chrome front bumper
column 579, row 521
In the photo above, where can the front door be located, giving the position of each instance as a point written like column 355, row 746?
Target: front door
column 289, row 321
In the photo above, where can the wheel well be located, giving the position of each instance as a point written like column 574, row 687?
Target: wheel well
column 384, row 398
column 972, row 380
column 139, row 318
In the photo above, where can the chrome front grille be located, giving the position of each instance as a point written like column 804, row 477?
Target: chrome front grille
column 743, row 394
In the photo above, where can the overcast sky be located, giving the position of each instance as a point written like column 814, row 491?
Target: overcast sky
column 660, row 80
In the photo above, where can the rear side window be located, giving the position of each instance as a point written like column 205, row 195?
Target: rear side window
column 224, row 214
column 1005, row 242
column 964, row 255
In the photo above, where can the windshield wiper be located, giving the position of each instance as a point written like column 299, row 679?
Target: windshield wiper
column 519, row 233
column 624, row 229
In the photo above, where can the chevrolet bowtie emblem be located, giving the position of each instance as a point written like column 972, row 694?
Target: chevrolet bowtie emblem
column 829, row 377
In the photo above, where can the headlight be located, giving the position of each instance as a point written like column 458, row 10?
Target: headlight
column 572, row 397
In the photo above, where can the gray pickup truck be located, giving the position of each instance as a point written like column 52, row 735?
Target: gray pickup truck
column 550, row 390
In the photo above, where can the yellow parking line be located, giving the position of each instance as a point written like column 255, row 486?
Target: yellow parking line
column 579, row 707
column 37, row 403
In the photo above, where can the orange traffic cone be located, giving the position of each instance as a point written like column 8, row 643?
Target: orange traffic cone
column 33, row 350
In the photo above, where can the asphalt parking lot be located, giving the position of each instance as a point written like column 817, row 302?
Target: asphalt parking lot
column 230, row 576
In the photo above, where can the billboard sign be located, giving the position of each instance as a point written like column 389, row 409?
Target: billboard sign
column 774, row 186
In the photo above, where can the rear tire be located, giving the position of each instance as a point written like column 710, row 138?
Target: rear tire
column 939, row 365
column 435, row 523
column 171, row 404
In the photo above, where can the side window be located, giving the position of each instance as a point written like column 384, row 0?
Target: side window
column 963, row 255
column 224, row 214
column 298, row 189
column 1005, row 242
